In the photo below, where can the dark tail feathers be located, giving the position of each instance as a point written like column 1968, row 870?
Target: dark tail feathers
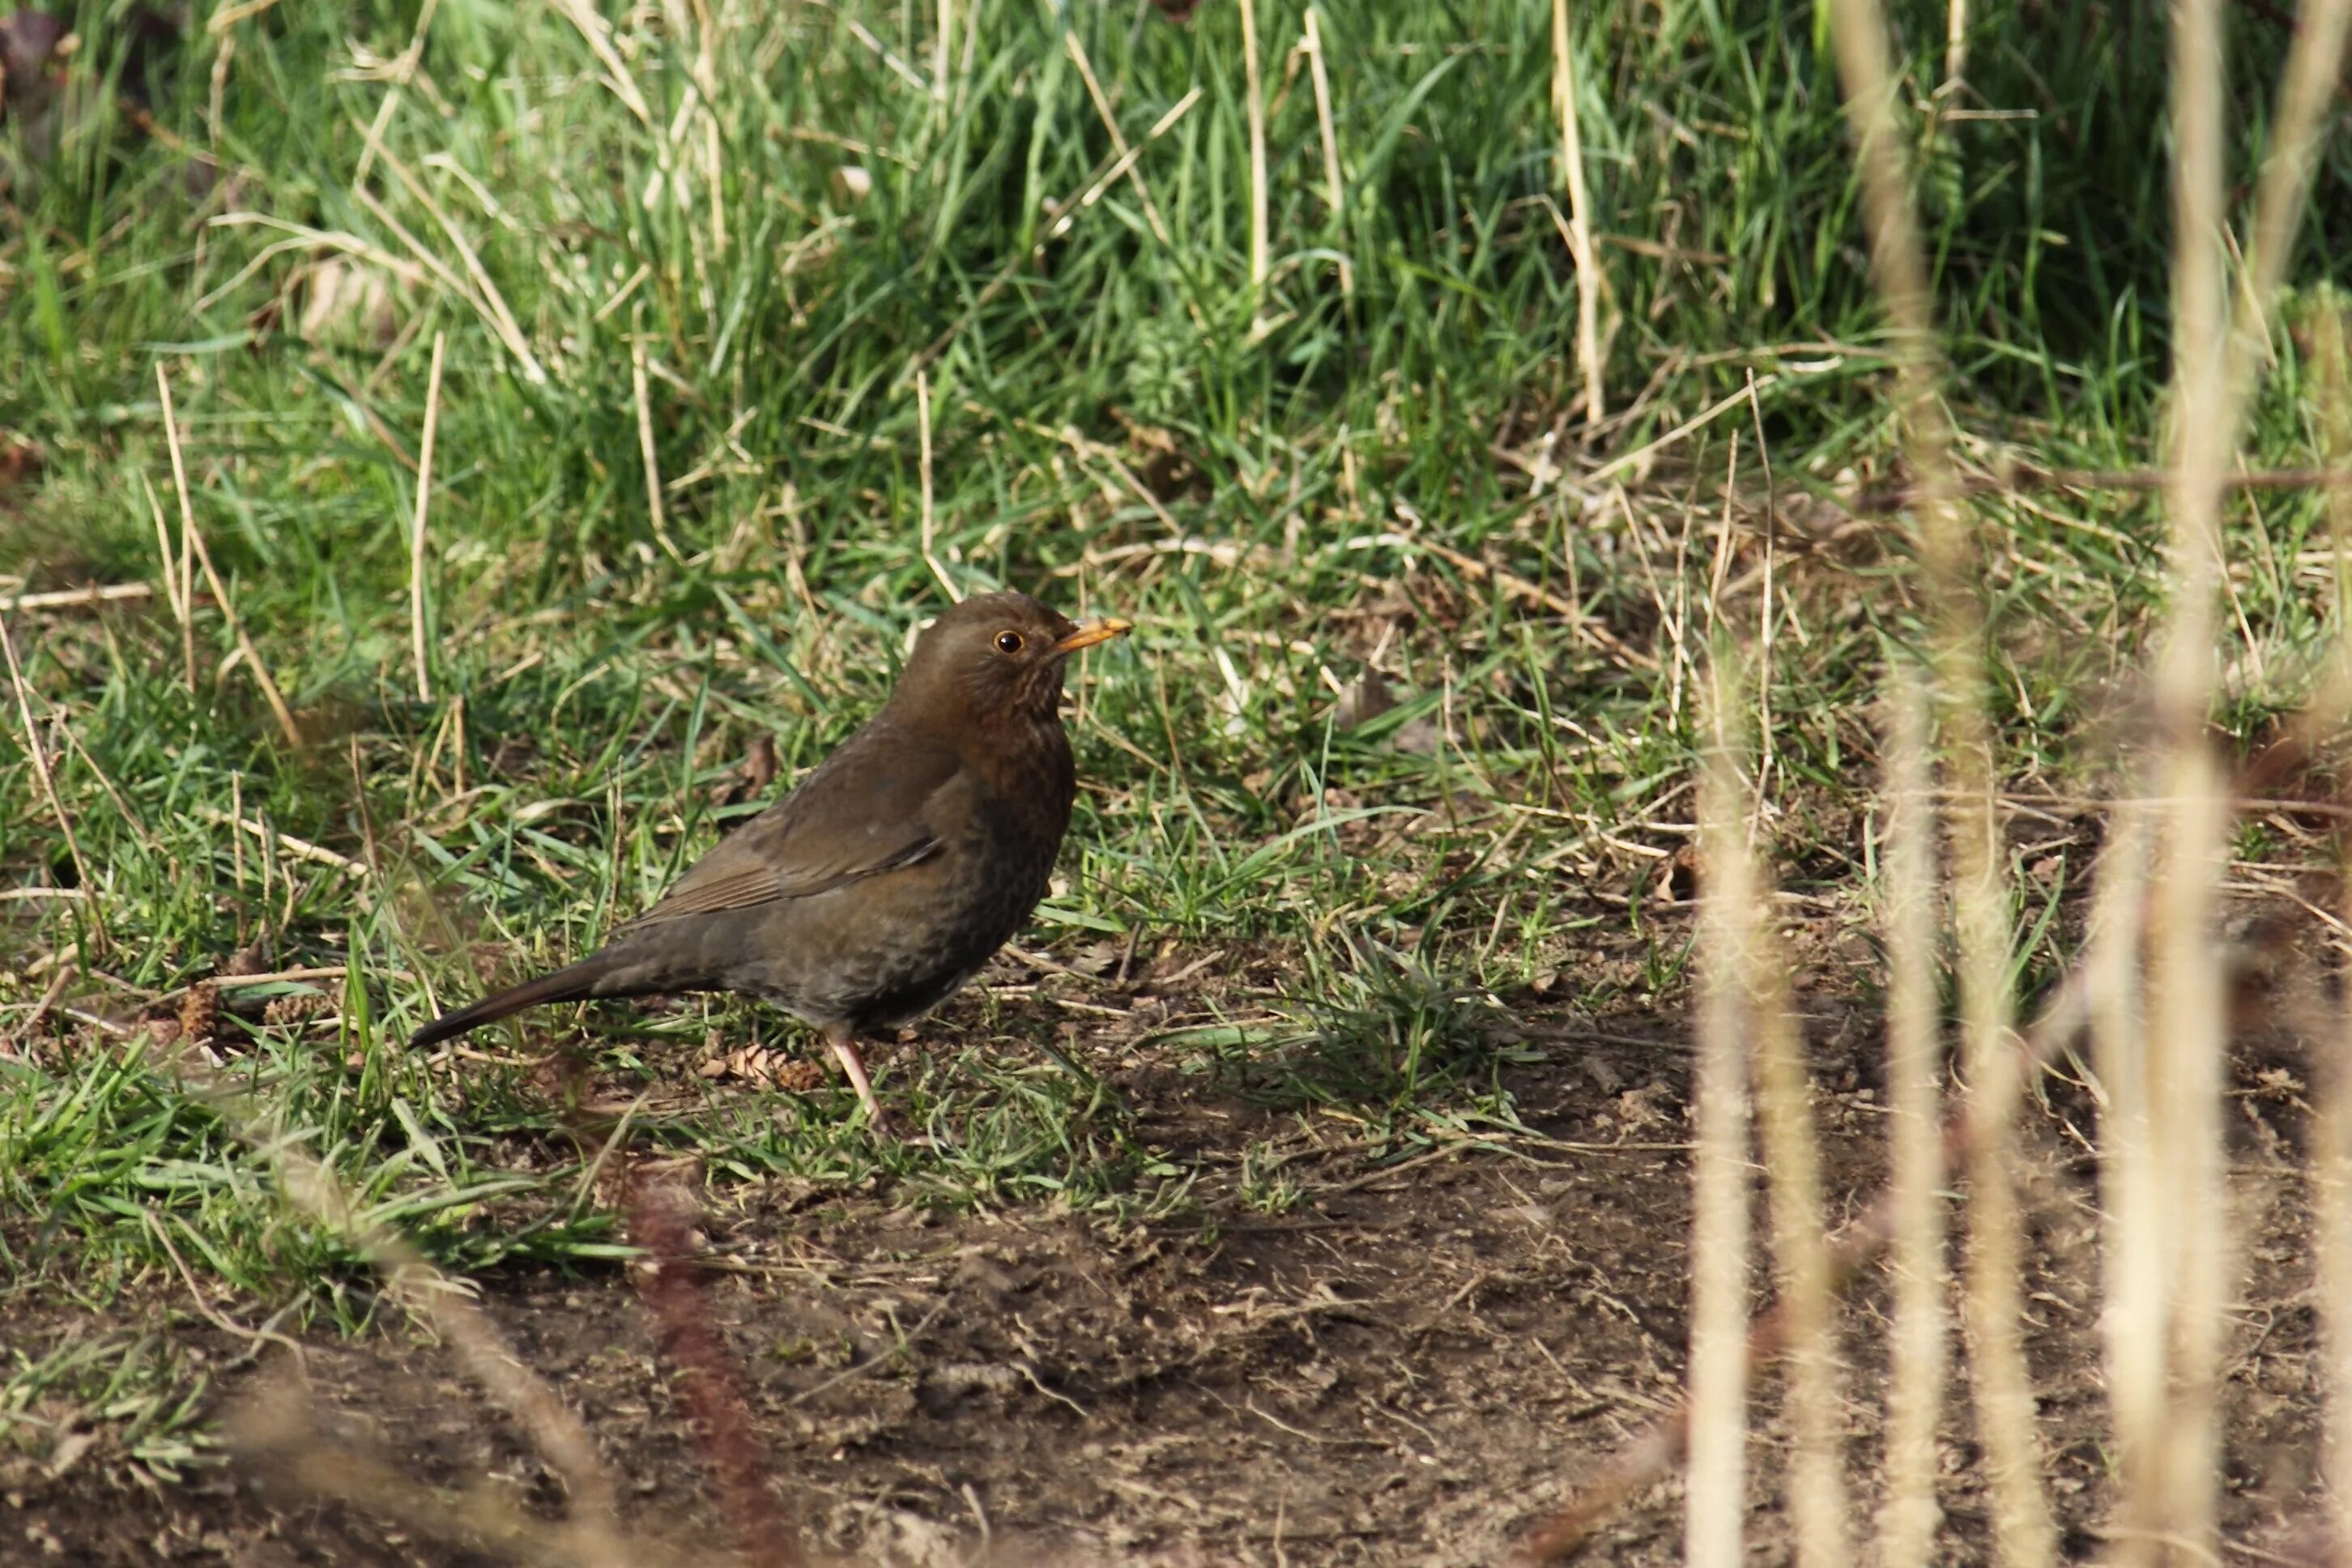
column 575, row 983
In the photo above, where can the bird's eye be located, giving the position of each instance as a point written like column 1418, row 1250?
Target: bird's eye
column 1010, row 642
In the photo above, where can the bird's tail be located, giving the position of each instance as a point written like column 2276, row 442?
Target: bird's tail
column 593, row 976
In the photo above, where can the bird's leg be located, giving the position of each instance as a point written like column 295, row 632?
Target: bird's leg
column 845, row 1047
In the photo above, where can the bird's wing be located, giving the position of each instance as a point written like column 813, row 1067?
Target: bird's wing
column 863, row 812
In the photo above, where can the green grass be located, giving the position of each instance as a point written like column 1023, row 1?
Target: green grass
column 1279, row 484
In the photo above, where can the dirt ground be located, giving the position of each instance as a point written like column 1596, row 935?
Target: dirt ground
column 1411, row 1366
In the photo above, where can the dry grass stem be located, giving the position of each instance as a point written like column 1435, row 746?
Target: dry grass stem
column 176, row 587
column 598, row 35
column 2202, row 430
column 2184, row 1040
column 1118, row 137
column 1319, row 76
column 1956, row 51
column 2024, row 1534
column 191, row 536
column 1917, row 1351
column 301, row 848
column 403, row 70
column 446, row 1304
column 2332, row 1195
column 2130, row 1215
column 923, row 460
column 81, row 598
column 483, row 294
column 416, row 534
column 1579, row 216
column 47, row 779
column 646, row 452
column 1256, row 108
column 1716, row 1489
column 1791, row 1144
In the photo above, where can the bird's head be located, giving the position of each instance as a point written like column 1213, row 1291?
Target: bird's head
column 996, row 657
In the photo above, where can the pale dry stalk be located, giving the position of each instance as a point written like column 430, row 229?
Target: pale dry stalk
column 923, row 460
column 1109, row 119
column 642, row 393
column 416, row 534
column 1716, row 1501
column 2131, row 1208
column 2175, row 1497
column 592, row 1537
column 2332, row 1192
column 2332, row 1140
column 190, row 535
column 2024, row 1536
column 1335, row 191
column 1909, row 1517
column 48, row 783
column 1257, row 108
column 2186, row 1038
column 175, row 591
column 1580, row 215
column 1817, row 1501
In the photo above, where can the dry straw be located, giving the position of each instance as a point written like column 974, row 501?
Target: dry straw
column 1580, row 215
column 2023, row 1529
column 416, row 534
column 2152, row 978
column 1909, row 1516
column 1716, row 1500
column 1256, row 104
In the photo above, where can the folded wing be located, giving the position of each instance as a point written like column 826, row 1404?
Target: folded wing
column 848, row 821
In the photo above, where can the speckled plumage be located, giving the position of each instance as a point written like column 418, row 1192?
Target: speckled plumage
column 870, row 893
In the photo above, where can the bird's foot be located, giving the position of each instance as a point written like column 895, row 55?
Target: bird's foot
column 880, row 1122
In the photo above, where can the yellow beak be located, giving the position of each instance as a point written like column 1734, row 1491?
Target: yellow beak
column 1092, row 633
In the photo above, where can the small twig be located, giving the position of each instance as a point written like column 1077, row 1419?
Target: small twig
column 50, row 999
column 851, row 1373
column 275, row 977
column 301, row 848
column 73, row 598
column 253, row 1338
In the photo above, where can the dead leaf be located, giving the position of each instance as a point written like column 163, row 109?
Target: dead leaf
column 200, row 1014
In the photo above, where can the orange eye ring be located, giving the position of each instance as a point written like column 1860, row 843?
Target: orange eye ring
column 1010, row 642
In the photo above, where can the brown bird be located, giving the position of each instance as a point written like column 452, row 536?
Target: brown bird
column 866, row 897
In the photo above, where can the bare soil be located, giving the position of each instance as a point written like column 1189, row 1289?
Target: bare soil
column 1409, row 1366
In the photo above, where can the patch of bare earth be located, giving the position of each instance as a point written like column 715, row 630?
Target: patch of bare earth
column 1409, row 1366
